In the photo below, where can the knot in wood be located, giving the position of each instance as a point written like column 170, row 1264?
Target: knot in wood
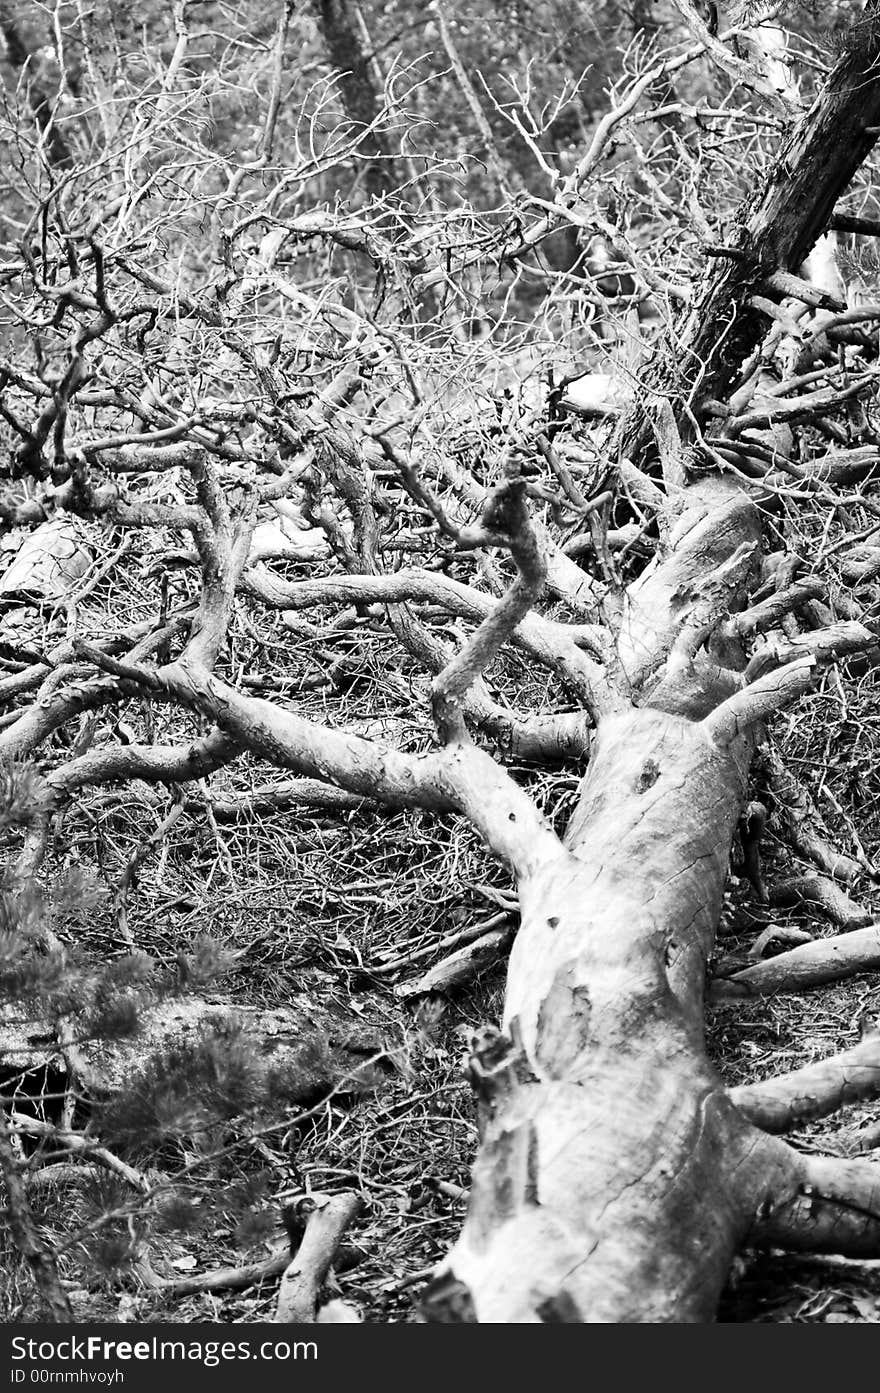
column 648, row 775
column 505, row 509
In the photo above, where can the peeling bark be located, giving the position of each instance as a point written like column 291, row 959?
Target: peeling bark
column 603, row 1126
column 615, row 1177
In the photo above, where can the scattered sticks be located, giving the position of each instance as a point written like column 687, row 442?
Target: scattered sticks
column 304, row 1275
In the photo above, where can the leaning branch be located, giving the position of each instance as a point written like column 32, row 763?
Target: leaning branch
column 505, row 513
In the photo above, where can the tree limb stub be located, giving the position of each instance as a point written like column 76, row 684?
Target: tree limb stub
column 825, row 1205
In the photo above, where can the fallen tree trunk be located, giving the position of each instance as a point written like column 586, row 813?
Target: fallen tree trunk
column 615, row 1177
column 599, row 1192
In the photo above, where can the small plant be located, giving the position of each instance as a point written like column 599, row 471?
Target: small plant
column 143, row 1158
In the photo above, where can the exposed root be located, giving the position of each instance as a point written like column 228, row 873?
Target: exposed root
column 818, row 892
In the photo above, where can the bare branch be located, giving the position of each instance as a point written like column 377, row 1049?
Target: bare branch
column 460, row 778
column 819, row 893
column 759, row 701
column 766, row 613
column 81, row 1145
column 811, row 964
column 305, row 1274
column 25, row 1233
column 788, row 1100
column 152, row 763
column 826, row 1206
column 505, row 513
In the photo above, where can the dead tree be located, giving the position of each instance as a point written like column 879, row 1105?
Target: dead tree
column 616, row 1177
column 39, row 94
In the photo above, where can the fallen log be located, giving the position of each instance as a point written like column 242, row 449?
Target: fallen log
column 615, row 1177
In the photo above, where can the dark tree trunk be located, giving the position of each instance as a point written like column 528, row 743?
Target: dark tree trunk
column 39, row 96
column 362, row 101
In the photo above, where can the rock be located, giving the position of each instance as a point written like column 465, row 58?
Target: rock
column 49, row 561
column 314, row 1046
column 597, row 394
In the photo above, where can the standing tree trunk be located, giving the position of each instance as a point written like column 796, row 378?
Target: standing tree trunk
column 40, row 97
column 338, row 24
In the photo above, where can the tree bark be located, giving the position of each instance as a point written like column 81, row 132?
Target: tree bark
column 338, row 25
column 605, row 1131
column 615, row 1178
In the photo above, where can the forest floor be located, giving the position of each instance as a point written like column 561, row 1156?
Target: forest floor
column 348, row 907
